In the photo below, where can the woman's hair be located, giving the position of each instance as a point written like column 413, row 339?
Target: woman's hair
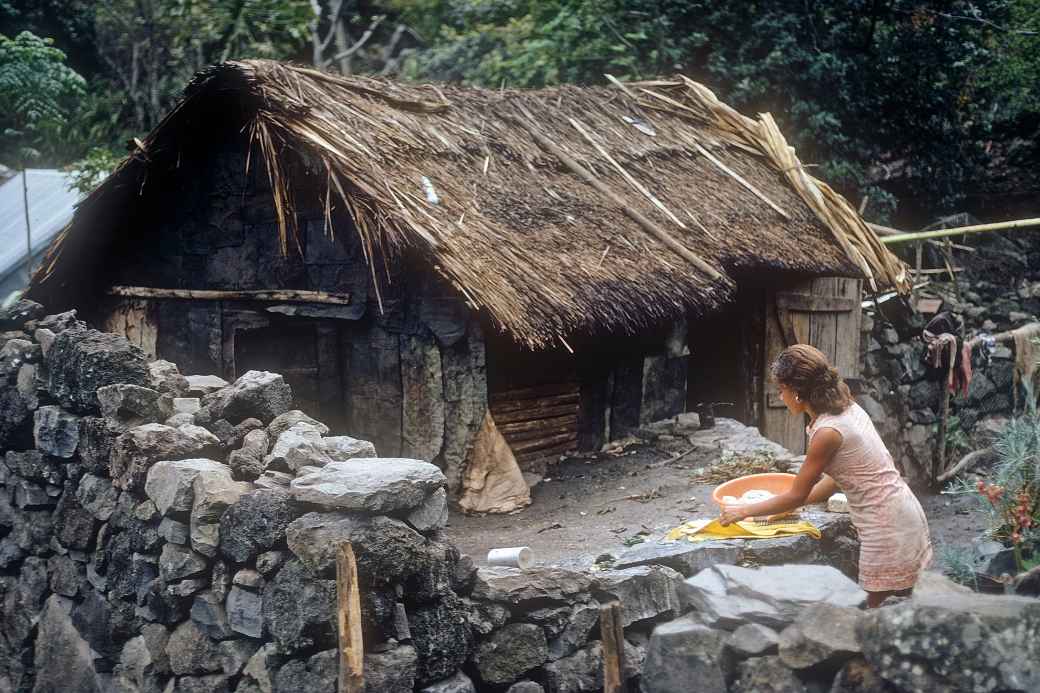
column 805, row 370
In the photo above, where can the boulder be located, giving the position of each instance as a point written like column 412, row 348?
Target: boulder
column 316, row 673
column 343, row 448
column 97, row 436
column 645, row 592
column 376, row 485
column 66, row 576
column 211, row 683
column 174, row 532
column 97, row 495
column 35, row 466
column 393, row 671
column 82, row 360
column 579, row 672
column 59, row 322
column 729, row 596
column 166, row 379
column 248, row 461
column 207, row 611
column 191, row 652
column 541, row 585
column 136, row 450
column 170, row 483
column 131, row 404
column 256, row 674
column 62, row 658
column 753, row 640
column 432, row 514
column 685, row 557
column 245, row 612
column 14, row 316
column 270, row 561
column 387, row 550
column 971, row 642
column 823, row 635
column 201, row 385
column 301, row 445
column 442, row 639
column 766, row 675
column 213, row 492
column 136, row 669
column 684, row 655
column 255, row 523
column 510, row 652
column 283, row 422
column 298, row 606
column 56, row 431
column 459, row 683
column 525, row 687
column 45, row 338
column 581, row 620
column 256, row 394
column 178, row 562
column 74, row 526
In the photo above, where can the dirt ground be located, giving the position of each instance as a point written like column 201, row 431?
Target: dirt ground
column 589, row 507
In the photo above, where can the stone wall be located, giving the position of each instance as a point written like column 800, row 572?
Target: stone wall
column 905, row 405
column 161, row 532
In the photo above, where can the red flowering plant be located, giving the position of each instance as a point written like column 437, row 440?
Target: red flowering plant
column 1012, row 494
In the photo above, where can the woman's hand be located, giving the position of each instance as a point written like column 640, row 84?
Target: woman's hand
column 732, row 513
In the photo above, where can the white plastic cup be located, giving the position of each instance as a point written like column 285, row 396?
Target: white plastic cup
column 514, row 557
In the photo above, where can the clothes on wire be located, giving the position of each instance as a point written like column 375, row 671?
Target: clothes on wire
column 948, row 355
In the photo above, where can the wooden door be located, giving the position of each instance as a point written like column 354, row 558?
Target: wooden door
column 822, row 312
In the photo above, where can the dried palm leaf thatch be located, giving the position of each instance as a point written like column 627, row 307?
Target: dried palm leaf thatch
column 556, row 211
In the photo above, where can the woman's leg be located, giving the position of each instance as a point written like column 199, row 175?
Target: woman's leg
column 875, row 599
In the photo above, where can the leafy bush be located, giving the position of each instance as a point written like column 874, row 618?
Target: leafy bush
column 1011, row 496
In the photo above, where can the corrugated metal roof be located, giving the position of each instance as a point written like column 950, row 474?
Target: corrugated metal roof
column 51, row 204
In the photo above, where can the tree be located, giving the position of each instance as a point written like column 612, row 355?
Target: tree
column 37, row 93
column 855, row 84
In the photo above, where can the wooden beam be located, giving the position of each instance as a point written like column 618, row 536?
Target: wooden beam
column 568, row 438
column 283, row 296
column 612, row 633
column 817, row 304
column 534, row 425
column 636, row 216
column 348, row 619
column 540, row 402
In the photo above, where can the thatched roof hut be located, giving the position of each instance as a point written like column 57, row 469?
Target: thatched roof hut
column 556, row 211
column 426, row 263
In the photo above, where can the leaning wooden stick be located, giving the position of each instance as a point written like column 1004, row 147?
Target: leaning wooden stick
column 612, row 633
column 348, row 618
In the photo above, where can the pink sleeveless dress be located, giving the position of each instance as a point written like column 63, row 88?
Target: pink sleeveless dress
column 893, row 531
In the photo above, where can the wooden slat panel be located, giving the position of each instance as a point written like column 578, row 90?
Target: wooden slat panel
column 534, row 413
column 540, row 402
column 542, row 443
column 537, row 425
column 537, row 392
column 848, row 331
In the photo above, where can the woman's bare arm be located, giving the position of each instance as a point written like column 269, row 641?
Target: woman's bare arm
column 822, row 448
column 824, row 489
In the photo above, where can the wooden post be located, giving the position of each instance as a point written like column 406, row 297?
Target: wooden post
column 612, row 633
column 348, row 620
column 940, row 465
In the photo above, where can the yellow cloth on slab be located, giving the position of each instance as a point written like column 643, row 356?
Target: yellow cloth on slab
column 707, row 530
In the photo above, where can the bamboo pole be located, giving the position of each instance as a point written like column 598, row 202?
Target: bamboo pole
column 960, row 230
column 283, row 296
column 612, row 633
column 348, row 620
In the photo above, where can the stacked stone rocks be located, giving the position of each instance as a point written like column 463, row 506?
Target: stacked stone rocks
column 800, row 628
column 906, row 406
column 169, row 533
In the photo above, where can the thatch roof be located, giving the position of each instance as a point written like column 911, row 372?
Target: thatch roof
column 558, row 211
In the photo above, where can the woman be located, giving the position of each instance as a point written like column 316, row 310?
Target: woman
column 893, row 531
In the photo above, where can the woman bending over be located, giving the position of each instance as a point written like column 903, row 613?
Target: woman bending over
column 893, row 531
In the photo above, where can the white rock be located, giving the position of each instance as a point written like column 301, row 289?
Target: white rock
column 213, row 492
column 186, row 405
column 375, row 485
column 432, row 514
column 169, row 483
